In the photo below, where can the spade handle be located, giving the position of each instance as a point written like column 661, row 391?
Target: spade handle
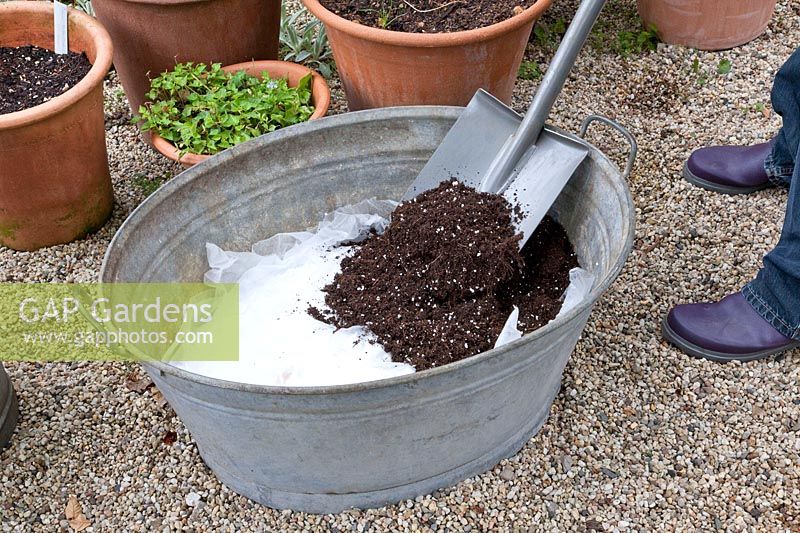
column 502, row 168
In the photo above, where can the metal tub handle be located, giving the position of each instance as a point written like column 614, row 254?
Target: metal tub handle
column 634, row 148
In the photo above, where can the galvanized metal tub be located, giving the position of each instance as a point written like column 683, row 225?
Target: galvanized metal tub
column 8, row 408
column 326, row 449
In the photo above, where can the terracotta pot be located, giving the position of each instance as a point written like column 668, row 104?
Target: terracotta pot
column 382, row 68
column 707, row 24
column 150, row 36
column 54, row 180
column 320, row 97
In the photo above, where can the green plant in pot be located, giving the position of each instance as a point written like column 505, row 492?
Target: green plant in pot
column 195, row 110
column 303, row 40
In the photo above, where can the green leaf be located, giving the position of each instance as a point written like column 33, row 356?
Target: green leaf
column 304, row 84
column 724, row 66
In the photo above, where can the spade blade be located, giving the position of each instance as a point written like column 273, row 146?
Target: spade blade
column 545, row 170
column 470, row 146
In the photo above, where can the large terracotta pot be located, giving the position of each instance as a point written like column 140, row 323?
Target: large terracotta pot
column 9, row 410
column 54, row 180
column 382, row 68
column 150, row 36
column 320, row 97
column 707, row 24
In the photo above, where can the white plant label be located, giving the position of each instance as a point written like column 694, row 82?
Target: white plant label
column 60, row 28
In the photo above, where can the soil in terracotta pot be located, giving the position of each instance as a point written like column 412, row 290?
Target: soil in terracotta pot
column 30, row 75
column 439, row 284
column 427, row 16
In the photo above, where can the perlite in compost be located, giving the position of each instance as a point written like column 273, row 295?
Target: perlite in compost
column 440, row 283
column 30, row 75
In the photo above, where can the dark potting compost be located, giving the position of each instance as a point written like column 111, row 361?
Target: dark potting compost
column 427, row 16
column 439, row 284
column 30, row 75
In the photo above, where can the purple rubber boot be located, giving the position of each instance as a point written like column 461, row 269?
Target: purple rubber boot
column 729, row 169
column 728, row 330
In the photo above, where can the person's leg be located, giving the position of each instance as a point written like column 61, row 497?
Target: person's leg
column 779, row 165
column 764, row 318
column 775, row 293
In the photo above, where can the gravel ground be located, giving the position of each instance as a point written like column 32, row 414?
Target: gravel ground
column 641, row 437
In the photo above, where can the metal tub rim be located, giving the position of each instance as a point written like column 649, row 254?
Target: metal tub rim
column 332, row 122
column 9, row 408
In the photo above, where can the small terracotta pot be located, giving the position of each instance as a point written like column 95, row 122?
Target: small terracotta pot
column 320, row 97
column 707, row 24
column 382, row 68
column 54, row 180
column 151, row 36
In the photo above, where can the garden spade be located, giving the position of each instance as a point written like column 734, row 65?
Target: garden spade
column 491, row 148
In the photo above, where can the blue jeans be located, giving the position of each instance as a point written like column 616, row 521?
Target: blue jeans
column 775, row 293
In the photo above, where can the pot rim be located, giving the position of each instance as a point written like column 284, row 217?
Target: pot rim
column 95, row 76
column 332, row 122
column 426, row 40
column 319, row 91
